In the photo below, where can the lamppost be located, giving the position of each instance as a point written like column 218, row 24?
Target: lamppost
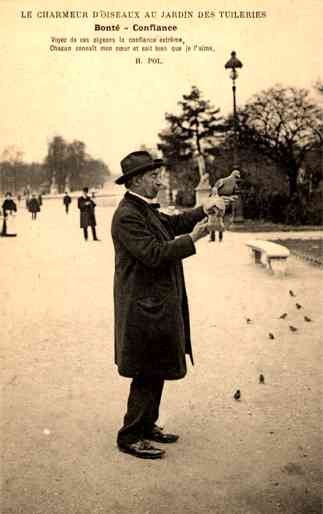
column 232, row 64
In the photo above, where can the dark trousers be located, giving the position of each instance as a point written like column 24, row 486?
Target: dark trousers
column 143, row 409
column 66, row 208
column 212, row 236
column 4, row 232
column 33, row 215
column 4, row 227
column 85, row 232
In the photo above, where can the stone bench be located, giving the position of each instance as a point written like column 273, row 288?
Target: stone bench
column 274, row 256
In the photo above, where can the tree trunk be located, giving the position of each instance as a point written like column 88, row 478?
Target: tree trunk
column 292, row 178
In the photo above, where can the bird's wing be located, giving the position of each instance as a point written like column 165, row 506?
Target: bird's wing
column 219, row 183
column 228, row 185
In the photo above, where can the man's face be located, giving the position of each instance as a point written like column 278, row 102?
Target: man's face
column 148, row 184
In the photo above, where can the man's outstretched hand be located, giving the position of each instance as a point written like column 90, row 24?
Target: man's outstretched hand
column 200, row 230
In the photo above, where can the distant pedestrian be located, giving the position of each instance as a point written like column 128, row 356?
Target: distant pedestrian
column 227, row 186
column 66, row 201
column 213, row 236
column 40, row 199
column 216, row 224
column 9, row 207
column 87, row 214
column 33, row 206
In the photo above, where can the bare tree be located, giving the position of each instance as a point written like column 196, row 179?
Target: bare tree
column 72, row 166
column 10, row 165
column 284, row 124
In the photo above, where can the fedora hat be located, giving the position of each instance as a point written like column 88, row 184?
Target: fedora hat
column 137, row 162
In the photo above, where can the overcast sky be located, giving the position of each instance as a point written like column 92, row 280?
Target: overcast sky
column 113, row 104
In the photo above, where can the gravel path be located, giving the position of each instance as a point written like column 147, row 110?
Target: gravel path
column 62, row 400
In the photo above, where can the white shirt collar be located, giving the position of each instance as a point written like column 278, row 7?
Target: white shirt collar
column 147, row 200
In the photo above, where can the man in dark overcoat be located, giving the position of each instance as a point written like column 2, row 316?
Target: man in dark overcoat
column 33, row 206
column 87, row 214
column 9, row 206
column 152, row 331
column 66, row 201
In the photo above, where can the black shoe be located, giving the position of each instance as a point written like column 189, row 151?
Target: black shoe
column 96, row 239
column 158, row 436
column 142, row 449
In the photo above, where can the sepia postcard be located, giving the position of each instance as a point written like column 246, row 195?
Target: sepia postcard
column 104, row 74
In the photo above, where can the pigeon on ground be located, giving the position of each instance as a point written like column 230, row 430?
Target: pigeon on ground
column 293, row 329
column 227, row 186
column 237, row 395
column 271, row 336
column 248, row 320
column 283, row 316
column 306, row 318
column 298, row 306
column 291, row 292
column 261, row 379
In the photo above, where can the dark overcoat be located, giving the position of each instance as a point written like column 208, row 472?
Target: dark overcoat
column 87, row 215
column 33, row 205
column 9, row 205
column 152, row 330
column 67, row 199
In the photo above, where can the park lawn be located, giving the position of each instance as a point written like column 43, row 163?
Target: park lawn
column 310, row 249
column 263, row 226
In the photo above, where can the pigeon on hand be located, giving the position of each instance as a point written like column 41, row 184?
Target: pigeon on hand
column 283, row 316
column 298, row 306
column 214, row 203
column 261, row 379
column 291, row 292
column 306, row 318
column 271, row 335
column 237, row 395
column 227, row 186
column 293, row 329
